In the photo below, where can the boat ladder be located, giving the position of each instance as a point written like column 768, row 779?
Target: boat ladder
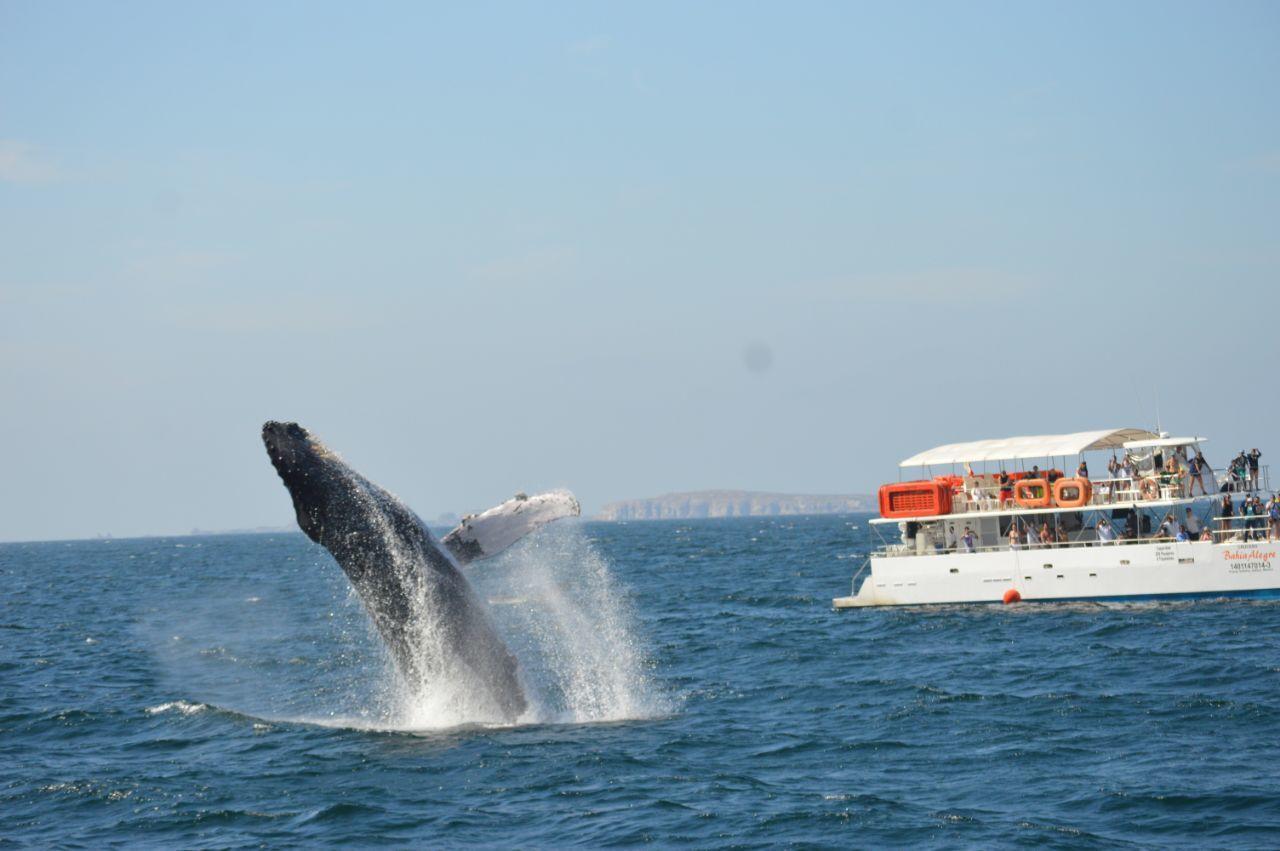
column 866, row 563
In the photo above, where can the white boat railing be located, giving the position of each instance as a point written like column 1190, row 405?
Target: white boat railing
column 1233, row 528
column 974, row 497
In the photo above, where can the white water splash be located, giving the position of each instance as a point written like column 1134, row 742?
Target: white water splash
column 570, row 625
column 285, row 659
column 448, row 693
column 180, row 706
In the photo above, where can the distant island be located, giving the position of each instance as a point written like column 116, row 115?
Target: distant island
column 682, row 506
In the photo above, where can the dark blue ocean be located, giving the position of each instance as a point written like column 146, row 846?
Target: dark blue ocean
column 693, row 687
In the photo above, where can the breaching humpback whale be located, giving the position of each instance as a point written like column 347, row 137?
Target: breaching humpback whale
column 411, row 587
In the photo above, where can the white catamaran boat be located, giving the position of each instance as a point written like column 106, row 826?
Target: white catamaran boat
column 1160, row 523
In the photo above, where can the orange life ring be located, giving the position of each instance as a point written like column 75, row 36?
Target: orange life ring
column 1150, row 488
column 1072, row 493
column 1032, row 493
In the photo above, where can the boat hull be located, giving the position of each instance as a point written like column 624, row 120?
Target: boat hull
column 1139, row 571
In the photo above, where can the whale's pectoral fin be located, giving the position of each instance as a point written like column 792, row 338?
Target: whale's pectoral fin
column 485, row 535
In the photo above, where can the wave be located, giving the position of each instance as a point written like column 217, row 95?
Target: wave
column 181, row 707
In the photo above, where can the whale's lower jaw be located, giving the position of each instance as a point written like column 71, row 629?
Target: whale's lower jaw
column 409, row 585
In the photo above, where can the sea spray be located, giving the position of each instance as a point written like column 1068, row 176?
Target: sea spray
column 552, row 597
column 555, row 602
column 571, row 625
column 439, row 690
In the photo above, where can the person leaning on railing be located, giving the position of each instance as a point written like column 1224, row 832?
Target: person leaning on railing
column 1225, row 510
column 1251, row 510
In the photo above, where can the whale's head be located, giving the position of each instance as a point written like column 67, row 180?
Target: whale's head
column 318, row 481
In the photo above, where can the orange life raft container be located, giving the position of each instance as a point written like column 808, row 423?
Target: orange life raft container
column 1032, row 493
column 915, row 499
column 1072, row 493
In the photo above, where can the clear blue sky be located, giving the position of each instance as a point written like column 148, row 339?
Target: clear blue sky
column 499, row 247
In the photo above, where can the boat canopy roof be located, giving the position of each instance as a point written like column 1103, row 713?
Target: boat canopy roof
column 1164, row 441
column 1032, row 446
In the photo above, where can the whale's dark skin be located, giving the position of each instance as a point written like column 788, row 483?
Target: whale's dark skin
column 399, row 570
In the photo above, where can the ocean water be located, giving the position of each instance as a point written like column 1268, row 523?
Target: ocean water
column 690, row 685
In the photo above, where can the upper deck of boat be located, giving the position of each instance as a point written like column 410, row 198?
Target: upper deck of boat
column 1151, row 486
column 984, row 500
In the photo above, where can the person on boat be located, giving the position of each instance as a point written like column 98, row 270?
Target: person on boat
column 1192, row 525
column 1195, row 474
column 973, row 492
column 1273, row 518
column 1252, row 458
column 1006, row 489
column 1246, row 513
column 1207, row 535
column 1015, row 537
column 1046, row 534
column 1106, row 533
column 969, row 540
column 1225, row 510
column 1157, row 460
column 1173, row 474
column 1238, row 468
column 1254, row 511
column 1035, row 472
column 1166, row 529
column 1082, row 472
column 1130, row 470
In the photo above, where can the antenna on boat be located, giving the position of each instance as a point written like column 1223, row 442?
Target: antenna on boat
column 1159, row 430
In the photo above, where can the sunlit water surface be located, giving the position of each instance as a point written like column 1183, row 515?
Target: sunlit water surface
column 689, row 684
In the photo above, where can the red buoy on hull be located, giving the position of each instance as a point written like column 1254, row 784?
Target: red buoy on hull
column 1012, row 596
